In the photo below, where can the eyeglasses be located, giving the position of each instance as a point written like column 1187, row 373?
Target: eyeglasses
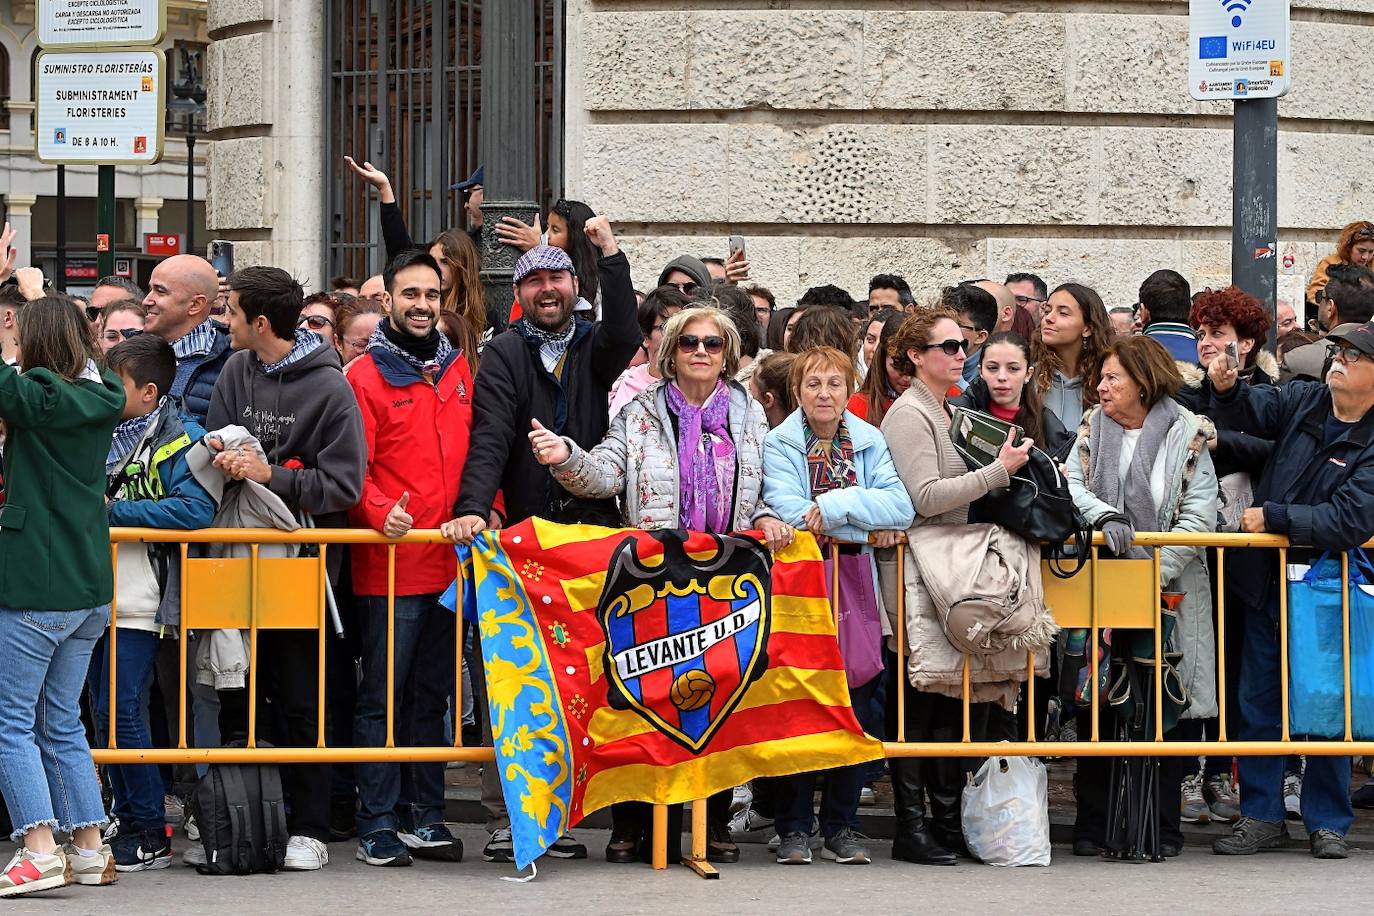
column 1024, row 301
column 316, row 322
column 967, row 327
column 689, row 287
column 1347, row 355
column 92, row 312
column 949, row 347
column 688, row 343
column 357, row 343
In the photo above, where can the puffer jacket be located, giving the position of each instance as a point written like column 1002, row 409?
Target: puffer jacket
column 637, row 461
column 941, row 488
column 1190, row 504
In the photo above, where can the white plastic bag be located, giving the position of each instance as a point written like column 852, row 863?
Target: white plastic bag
column 1006, row 812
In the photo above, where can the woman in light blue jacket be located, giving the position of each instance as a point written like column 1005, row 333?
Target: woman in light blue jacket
column 831, row 473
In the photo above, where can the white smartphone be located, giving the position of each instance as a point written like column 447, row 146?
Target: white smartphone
column 1233, row 355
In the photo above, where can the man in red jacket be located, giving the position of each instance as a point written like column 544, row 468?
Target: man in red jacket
column 415, row 392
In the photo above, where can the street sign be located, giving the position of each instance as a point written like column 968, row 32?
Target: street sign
column 100, row 23
column 1238, row 49
column 104, row 107
column 161, row 243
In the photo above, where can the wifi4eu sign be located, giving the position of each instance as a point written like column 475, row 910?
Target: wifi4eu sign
column 1238, row 49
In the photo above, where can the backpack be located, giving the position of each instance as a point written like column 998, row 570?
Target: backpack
column 242, row 818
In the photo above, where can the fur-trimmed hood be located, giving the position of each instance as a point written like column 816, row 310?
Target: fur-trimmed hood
column 1265, row 364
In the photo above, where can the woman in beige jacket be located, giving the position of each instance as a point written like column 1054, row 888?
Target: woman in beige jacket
column 931, row 348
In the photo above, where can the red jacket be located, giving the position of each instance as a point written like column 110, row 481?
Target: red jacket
column 417, row 443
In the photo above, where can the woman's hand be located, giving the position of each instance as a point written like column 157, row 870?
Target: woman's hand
column 1014, row 457
column 373, row 176
column 511, row 231
column 549, row 448
column 883, row 539
column 775, row 534
column 1118, row 535
column 736, row 268
column 1222, row 373
column 813, row 521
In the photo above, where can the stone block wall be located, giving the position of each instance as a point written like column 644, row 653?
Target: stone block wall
column 265, row 102
column 947, row 144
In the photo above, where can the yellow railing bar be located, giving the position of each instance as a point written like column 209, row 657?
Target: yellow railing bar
column 391, row 646
column 1221, row 643
column 1283, row 638
column 1159, row 648
column 110, row 740
column 181, row 651
column 1093, row 712
column 1345, row 638
column 252, row 647
column 900, row 686
column 324, row 625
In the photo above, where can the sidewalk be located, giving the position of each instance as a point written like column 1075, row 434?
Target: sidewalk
column 879, row 821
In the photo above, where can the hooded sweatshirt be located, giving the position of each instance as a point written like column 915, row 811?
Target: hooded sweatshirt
column 689, row 265
column 307, row 419
column 1065, row 399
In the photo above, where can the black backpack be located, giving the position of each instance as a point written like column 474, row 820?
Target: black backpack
column 242, row 818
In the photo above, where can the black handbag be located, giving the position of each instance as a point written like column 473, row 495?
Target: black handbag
column 1037, row 505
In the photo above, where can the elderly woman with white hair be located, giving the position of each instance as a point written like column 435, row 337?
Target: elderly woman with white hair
column 686, row 453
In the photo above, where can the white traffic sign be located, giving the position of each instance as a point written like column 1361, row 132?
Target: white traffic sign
column 103, row 107
column 1238, row 49
column 100, row 23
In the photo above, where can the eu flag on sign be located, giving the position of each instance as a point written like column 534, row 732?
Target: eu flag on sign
column 1212, row 48
column 664, row 666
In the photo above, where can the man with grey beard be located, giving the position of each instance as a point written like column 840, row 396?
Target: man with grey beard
column 557, row 369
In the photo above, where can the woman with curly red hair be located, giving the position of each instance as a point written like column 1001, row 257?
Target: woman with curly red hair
column 1355, row 246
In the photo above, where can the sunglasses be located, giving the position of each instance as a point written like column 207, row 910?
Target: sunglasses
column 1366, row 233
column 688, row 343
column 688, row 287
column 316, row 322
column 949, row 347
column 92, row 312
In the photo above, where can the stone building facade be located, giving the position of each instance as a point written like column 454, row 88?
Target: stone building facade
column 933, row 139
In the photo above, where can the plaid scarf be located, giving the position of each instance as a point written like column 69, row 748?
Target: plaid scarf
column 306, row 343
column 127, row 436
column 199, row 341
column 552, row 344
column 380, row 341
column 830, row 463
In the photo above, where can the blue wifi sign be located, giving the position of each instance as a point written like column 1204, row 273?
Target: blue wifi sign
column 1239, row 49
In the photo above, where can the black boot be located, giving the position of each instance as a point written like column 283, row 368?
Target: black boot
column 914, row 842
column 945, row 786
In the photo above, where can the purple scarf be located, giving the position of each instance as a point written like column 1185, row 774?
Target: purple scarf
column 705, row 459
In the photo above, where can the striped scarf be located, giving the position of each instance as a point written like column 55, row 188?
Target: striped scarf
column 127, row 436
column 306, row 343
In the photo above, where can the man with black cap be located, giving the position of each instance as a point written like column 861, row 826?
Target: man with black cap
column 471, row 189
column 1318, row 489
column 557, row 369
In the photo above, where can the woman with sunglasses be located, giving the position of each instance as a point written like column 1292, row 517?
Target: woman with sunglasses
column 120, row 320
column 1355, row 246
column 686, row 453
column 931, row 349
column 318, row 316
column 1075, row 331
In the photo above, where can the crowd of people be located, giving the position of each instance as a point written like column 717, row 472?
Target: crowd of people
column 407, row 401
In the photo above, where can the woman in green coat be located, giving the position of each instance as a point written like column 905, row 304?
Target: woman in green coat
column 55, row 589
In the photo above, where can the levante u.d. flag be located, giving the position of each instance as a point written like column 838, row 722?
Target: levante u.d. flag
column 665, row 666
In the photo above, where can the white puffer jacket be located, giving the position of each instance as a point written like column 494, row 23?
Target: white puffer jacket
column 637, row 462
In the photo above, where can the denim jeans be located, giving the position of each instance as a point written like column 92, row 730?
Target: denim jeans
column 138, row 788
column 1325, row 782
column 46, row 773
column 840, row 787
column 412, row 794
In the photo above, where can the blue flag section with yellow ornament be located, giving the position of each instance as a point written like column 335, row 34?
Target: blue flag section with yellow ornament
column 665, row 666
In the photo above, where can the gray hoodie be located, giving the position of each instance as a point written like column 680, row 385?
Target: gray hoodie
column 308, row 422
column 1065, row 399
column 689, row 265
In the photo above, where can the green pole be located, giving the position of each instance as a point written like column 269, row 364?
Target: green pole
column 105, row 219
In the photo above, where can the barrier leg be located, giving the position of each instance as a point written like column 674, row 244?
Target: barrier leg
column 660, row 837
column 697, row 860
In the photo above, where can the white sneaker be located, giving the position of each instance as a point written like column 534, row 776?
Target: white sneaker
column 748, row 826
column 743, row 798
column 191, row 828
column 1292, row 797
column 111, row 831
column 867, row 797
column 194, row 855
column 305, row 853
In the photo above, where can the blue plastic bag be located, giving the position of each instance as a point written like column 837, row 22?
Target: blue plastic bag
column 1316, row 651
column 1316, row 673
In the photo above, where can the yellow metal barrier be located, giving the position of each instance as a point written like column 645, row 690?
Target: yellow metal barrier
column 267, row 593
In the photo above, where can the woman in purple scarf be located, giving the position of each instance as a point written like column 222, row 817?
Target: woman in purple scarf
column 685, row 453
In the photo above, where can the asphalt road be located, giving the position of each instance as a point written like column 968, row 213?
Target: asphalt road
column 1279, row 882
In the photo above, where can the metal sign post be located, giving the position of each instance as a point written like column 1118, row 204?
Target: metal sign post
column 1239, row 50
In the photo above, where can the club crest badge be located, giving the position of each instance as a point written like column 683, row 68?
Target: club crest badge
column 685, row 637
